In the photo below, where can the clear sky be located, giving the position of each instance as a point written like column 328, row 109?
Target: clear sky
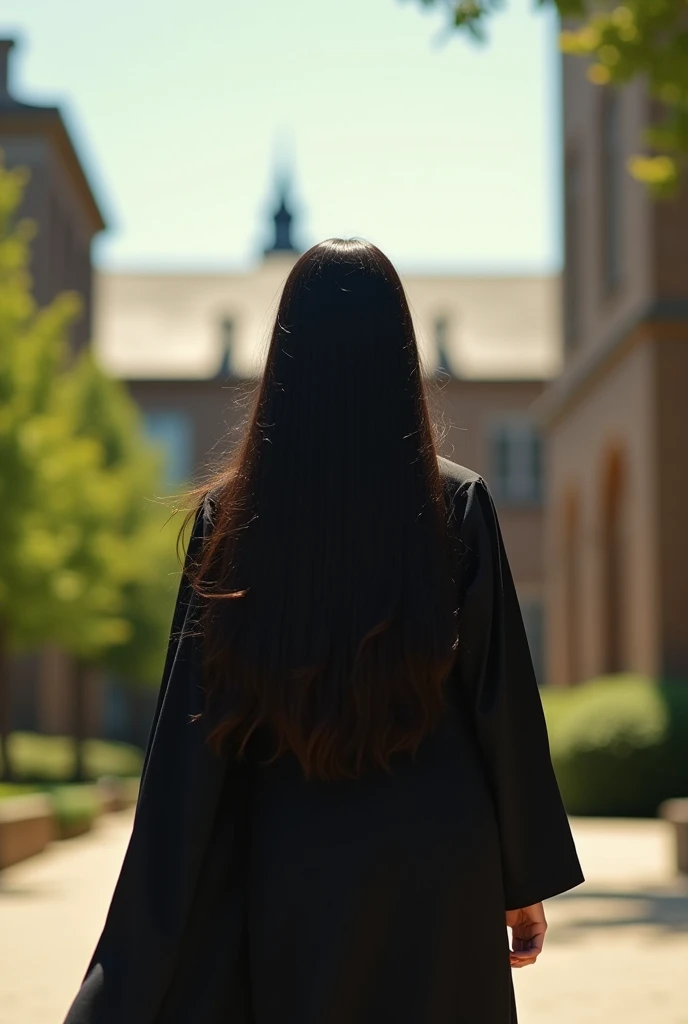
column 443, row 153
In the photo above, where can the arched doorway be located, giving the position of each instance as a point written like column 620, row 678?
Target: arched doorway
column 613, row 560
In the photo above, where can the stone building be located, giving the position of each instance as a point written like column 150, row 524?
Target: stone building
column 59, row 198
column 190, row 346
column 616, row 419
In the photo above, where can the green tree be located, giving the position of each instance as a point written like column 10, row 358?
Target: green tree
column 140, row 539
column 50, row 487
column 621, row 41
column 85, row 561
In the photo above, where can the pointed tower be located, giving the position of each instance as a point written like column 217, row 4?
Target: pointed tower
column 283, row 243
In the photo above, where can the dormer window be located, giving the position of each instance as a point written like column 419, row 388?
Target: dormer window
column 227, row 339
column 441, row 332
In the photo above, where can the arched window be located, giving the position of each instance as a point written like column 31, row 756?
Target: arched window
column 572, row 558
column 612, row 564
column 227, row 339
column 442, row 335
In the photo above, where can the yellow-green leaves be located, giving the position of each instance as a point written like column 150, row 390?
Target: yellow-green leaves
column 636, row 39
column 83, row 560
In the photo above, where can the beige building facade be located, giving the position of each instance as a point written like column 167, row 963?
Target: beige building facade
column 616, row 419
column 190, row 347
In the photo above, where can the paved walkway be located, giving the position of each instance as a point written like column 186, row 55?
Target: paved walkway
column 617, row 949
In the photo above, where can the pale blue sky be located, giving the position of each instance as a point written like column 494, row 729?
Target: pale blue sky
column 445, row 155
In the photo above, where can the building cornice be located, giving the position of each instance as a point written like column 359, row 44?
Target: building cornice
column 21, row 119
column 660, row 318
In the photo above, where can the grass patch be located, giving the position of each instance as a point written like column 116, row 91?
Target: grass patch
column 37, row 758
column 10, row 789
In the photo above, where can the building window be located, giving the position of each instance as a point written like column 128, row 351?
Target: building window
column 516, row 463
column 533, row 614
column 611, row 192
column 441, row 332
column 172, row 431
column 571, row 589
column 572, row 254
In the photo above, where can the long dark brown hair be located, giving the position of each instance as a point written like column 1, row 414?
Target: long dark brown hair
column 328, row 614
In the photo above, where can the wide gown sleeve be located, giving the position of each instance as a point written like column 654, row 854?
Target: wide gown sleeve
column 178, row 863
column 497, row 682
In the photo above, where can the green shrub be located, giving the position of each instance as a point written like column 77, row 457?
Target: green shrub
column 619, row 744
column 75, row 808
column 51, row 758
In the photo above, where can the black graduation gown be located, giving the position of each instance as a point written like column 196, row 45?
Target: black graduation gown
column 249, row 896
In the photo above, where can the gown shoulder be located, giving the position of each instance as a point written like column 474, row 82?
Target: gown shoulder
column 456, row 476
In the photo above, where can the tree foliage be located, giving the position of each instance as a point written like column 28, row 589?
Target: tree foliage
column 54, row 583
column 55, row 503
column 84, row 560
column 145, row 566
column 621, row 42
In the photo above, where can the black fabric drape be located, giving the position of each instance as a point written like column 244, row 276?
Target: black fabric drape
column 177, row 903
column 498, row 688
column 249, row 895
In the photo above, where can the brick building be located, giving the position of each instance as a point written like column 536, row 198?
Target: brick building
column 59, row 198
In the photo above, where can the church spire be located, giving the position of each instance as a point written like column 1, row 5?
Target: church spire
column 282, row 218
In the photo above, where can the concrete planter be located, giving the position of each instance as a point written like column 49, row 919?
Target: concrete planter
column 71, row 829
column 26, row 827
column 676, row 813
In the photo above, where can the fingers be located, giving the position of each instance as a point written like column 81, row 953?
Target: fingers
column 519, row 961
column 523, row 957
column 527, row 945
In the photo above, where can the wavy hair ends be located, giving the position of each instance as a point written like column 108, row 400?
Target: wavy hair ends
column 328, row 613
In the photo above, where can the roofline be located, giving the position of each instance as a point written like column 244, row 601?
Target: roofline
column 249, row 269
column 26, row 120
column 658, row 318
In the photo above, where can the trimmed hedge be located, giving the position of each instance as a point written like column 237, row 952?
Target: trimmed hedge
column 619, row 744
column 75, row 808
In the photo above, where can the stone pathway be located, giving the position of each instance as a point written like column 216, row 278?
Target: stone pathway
column 52, row 908
column 617, row 948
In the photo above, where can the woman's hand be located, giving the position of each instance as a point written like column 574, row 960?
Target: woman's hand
column 528, row 926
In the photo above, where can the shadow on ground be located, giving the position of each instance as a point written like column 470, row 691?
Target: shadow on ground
column 577, row 913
